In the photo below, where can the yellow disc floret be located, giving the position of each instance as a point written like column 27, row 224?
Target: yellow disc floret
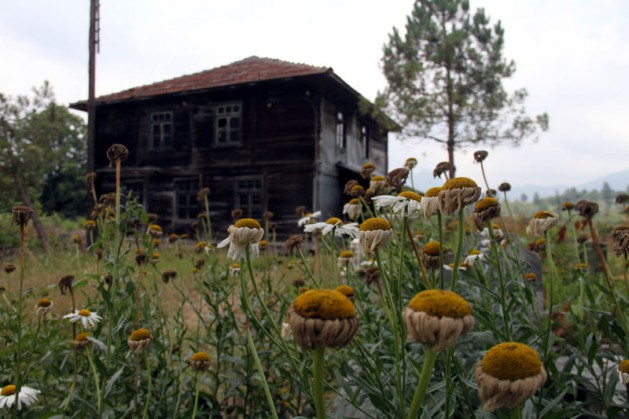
column 346, row 254
column 375, row 223
column 247, row 222
column 354, row 201
column 474, row 251
column 459, row 183
column 140, row 334
column 8, row 390
column 82, row 337
column 324, row 304
column 45, row 302
column 544, row 214
column 346, row 290
column 200, row 356
column 432, row 192
column 432, row 248
column 624, row 366
column 441, row 303
column 377, row 178
column 410, row 195
column 85, row 312
column 511, row 361
column 334, row 221
column 485, row 203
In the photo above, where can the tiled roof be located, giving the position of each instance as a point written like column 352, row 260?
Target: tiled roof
column 252, row 69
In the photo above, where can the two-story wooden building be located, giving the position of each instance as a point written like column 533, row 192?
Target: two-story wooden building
column 262, row 134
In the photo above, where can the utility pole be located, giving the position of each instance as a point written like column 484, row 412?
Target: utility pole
column 94, row 48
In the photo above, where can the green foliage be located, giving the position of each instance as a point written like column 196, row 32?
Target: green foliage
column 445, row 75
column 42, row 152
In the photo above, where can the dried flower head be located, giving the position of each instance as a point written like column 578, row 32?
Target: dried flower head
column 623, row 371
column 396, row 178
column 298, row 283
column 237, row 214
column 622, row 198
column 168, row 275
column 43, row 306
column 117, row 152
column 620, row 236
column 82, row 340
column 293, row 242
column 322, row 318
column 267, row 215
column 138, row 340
column 504, row 187
column 22, row 215
column 410, row 163
column 353, row 208
column 508, row 374
column 200, row 361
column 9, row 267
column 586, row 209
column 441, row 168
column 356, row 191
column 480, row 156
column 457, row 193
column 372, row 275
column 438, row 318
column 374, row 232
column 202, row 194
column 65, row 284
column 430, row 255
column 485, row 210
column 567, row 206
column 348, row 186
column 377, row 186
column 541, row 222
column 367, row 169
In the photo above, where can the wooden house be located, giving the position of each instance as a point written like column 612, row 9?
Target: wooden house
column 262, row 134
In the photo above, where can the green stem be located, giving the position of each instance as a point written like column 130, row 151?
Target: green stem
column 256, row 359
column 429, row 363
column 20, row 297
column 148, row 391
column 196, row 394
column 459, row 247
column 317, row 381
column 308, row 271
column 516, row 412
column 96, row 381
column 503, row 291
column 573, row 230
column 441, row 271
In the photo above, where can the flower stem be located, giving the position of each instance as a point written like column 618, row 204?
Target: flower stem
column 196, row 394
column 429, row 363
column 441, row 272
column 516, row 412
column 459, row 247
column 317, row 381
column 256, row 359
column 148, row 391
column 96, row 381
column 503, row 291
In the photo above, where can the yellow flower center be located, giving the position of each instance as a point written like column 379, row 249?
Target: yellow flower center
column 567, row 205
column 530, row 276
column 432, row 192
column 85, row 313
column 200, row 356
column 580, row 267
column 346, row 290
column 459, row 183
column 495, row 226
column 432, row 248
column 377, row 179
column 200, row 245
column 247, row 222
column 485, row 203
column 410, row 195
column 544, row 214
column 8, row 390
column 411, row 160
column 81, row 337
column 334, row 221
column 353, row 201
column 346, row 254
column 235, row 265
column 44, row 302
column 511, row 361
column 155, row 255
column 139, row 335
column 375, row 223
column 624, row 366
column 474, row 252
column 324, row 304
column 368, row 165
column 357, row 188
column 540, row 242
column 263, row 244
column 155, row 227
column 441, row 303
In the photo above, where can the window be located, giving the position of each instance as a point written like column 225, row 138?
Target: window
column 340, row 130
column 249, row 197
column 228, row 124
column 364, row 142
column 161, row 129
column 186, row 205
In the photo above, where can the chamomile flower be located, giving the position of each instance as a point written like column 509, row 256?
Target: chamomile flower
column 26, row 396
column 309, row 218
column 87, row 318
column 353, row 208
column 335, row 225
column 473, row 256
column 405, row 203
column 243, row 233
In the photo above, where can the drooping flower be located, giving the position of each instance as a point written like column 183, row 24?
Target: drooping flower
column 438, row 318
column 485, row 210
column 347, row 291
column 410, row 163
column 82, row 340
column 504, row 187
column 234, row 269
column 139, row 340
column 155, row 231
column 406, row 204
column 430, row 255
column 457, row 193
column 353, row 208
column 541, row 222
column 87, row 318
column 374, row 232
column 245, row 232
column 322, row 318
column 430, row 202
column 620, row 236
column 623, row 371
column 367, row 169
column 473, row 256
column 508, row 374
column 344, row 258
column 396, row 178
column 333, row 224
column 200, row 361
column 309, row 218
column 26, row 397
column 43, row 306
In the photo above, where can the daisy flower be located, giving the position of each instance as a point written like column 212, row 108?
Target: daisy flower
column 405, row 203
column 86, row 317
column 243, row 233
column 26, row 396
column 471, row 257
column 308, row 218
column 334, row 224
column 353, row 208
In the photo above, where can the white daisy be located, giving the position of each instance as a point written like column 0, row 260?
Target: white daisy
column 353, row 209
column 473, row 256
column 405, row 203
column 245, row 232
column 308, row 218
column 26, row 396
column 234, row 269
column 86, row 317
column 335, row 225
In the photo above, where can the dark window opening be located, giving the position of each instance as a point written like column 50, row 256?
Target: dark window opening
column 162, row 129
column 186, row 205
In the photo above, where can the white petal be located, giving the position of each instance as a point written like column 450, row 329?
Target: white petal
column 223, row 243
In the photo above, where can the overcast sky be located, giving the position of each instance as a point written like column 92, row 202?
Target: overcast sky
column 571, row 55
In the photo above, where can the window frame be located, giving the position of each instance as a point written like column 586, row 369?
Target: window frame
column 162, row 135
column 364, row 141
column 228, row 128
column 250, row 211
column 340, row 136
column 191, row 205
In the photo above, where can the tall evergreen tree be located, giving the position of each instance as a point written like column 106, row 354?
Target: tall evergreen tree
column 445, row 78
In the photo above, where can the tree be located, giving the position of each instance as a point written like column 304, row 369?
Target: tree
column 39, row 140
column 445, row 79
